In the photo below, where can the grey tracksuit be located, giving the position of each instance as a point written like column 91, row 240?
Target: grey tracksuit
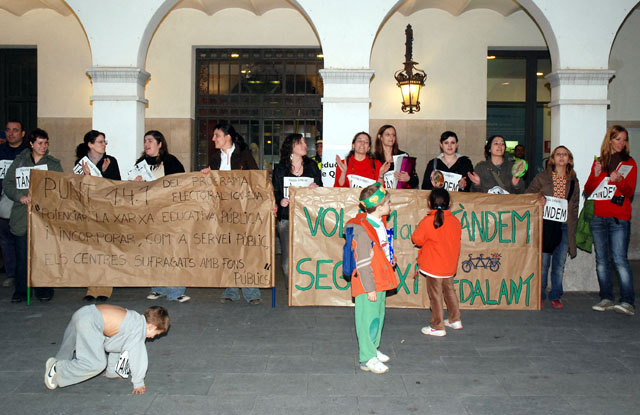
column 85, row 336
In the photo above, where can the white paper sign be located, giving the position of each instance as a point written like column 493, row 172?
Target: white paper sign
column 604, row 191
column 93, row 169
column 4, row 166
column 23, row 174
column 624, row 169
column 359, row 182
column 555, row 209
column 141, row 169
column 390, row 181
column 451, row 181
column 497, row 190
column 295, row 181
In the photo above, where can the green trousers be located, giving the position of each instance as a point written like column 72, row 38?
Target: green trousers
column 369, row 322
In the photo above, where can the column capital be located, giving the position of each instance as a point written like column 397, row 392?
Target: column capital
column 118, row 75
column 580, row 77
column 346, row 76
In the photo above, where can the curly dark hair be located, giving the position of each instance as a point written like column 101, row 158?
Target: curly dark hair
column 287, row 149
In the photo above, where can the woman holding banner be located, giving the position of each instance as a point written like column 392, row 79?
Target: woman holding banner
column 359, row 168
column 611, row 184
column 454, row 167
column 16, row 186
column 386, row 148
column 233, row 155
column 156, row 155
column 559, row 187
column 162, row 163
column 94, row 150
column 294, row 169
column 495, row 174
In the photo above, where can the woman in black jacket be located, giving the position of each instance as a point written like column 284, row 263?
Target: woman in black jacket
column 449, row 161
column 232, row 154
column 294, row 169
column 94, row 147
column 156, row 154
column 386, row 147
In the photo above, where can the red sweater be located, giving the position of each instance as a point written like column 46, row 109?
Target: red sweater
column 625, row 187
column 439, row 248
column 368, row 168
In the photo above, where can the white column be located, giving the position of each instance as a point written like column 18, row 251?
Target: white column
column 345, row 112
column 118, row 111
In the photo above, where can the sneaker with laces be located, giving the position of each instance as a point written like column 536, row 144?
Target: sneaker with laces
column 624, row 308
column 50, row 380
column 382, row 357
column 557, row 304
column 603, row 305
column 154, row 295
column 374, row 365
column 429, row 331
column 182, row 299
column 456, row 325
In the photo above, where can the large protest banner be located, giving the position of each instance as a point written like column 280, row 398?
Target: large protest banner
column 189, row 229
column 499, row 266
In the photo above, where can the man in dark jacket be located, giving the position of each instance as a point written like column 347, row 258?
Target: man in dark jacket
column 8, row 151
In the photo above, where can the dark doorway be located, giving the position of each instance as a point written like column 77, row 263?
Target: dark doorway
column 517, row 102
column 19, row 87
column 265, row 94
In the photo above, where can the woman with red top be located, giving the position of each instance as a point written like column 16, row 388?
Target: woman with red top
column 438, row 236
column 611, row 222
column 359, row 163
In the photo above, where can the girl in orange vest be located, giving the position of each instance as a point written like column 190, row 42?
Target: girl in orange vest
column 438, row 236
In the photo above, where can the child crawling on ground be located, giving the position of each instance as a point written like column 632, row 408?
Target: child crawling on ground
column 96, row 329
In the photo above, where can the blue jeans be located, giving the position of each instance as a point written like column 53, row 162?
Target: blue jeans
column 171, row 292
column 249, row 294
column 611, row 241
column 556, row 261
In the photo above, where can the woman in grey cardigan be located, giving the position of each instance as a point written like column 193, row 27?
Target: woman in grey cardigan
column 36, row 156
column 494, row 174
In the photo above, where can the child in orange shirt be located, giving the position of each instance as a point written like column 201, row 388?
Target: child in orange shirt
column 438, row 236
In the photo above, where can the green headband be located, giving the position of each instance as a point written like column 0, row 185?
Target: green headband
column 376, row 198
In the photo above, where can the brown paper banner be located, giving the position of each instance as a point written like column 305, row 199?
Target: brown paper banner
column 181, row 230
column 499, row 265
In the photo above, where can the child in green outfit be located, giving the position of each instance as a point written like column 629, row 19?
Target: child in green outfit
column 373, row 275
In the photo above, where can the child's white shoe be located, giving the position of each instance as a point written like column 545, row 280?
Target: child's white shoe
column 382, row 357
column 456, row 325
column 429, row 331
column 50, row 380
column 374, row 365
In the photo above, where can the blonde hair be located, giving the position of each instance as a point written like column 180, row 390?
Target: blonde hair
column 552, row 163
column 605, row 148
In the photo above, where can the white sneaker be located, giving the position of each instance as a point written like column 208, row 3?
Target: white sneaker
column 154, row 295
column 456, row 325
column 182, row 299
column 382, row 357
column 374, row 366
column 429, row 331
column 50, row 379
column 624, row 308
column 603, row 305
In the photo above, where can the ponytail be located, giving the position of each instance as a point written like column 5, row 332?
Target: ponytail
column 439, row 201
